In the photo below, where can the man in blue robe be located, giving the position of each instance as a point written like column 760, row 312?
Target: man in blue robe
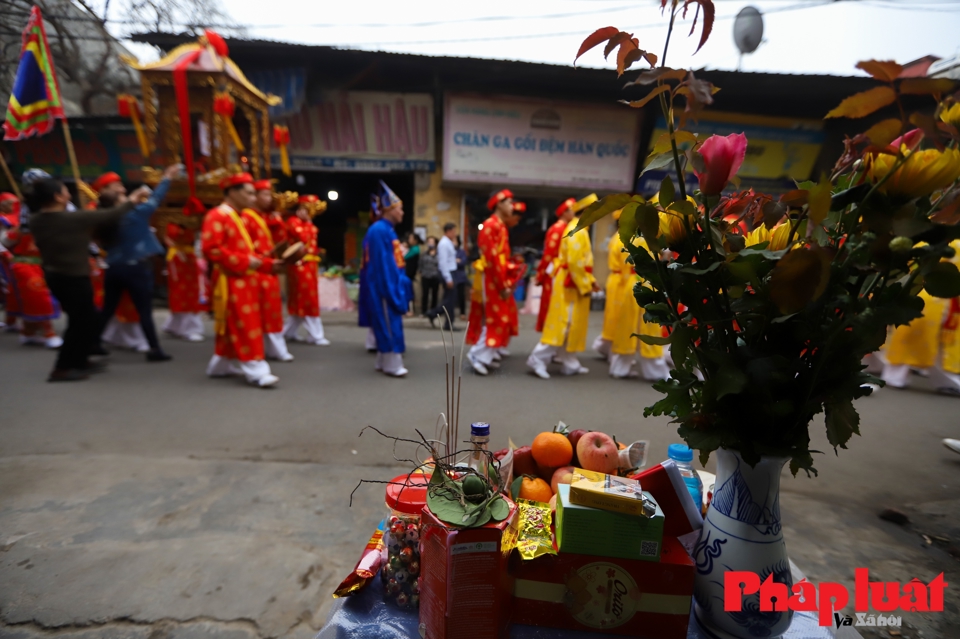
column 384, row 285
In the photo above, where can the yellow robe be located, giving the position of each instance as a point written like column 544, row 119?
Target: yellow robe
column 918, row 344
column 569, row 313
column 622, row 315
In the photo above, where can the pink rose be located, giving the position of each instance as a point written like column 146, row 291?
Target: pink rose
column 722, row 157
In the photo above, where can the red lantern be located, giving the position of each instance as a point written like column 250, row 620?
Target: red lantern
column 281, row 137
column 216, row 42
column 129, row 107
column 225, row 106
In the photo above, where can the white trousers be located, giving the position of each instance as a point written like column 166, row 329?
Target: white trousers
column 543, row 354
column 275, row 346
column 313, row 326
column 899, row 376
column 124, row 335
column 252, row 370
column 184, row 324
column 389, row 363
column 602, row 347
column 371, row 340
column 651, row 370
column 482, row 353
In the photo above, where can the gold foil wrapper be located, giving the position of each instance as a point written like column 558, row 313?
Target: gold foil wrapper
column 535, row 537
column 365, row 569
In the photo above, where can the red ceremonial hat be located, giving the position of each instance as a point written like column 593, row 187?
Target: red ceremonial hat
column 105, row 180
column 567, row 204
column 519, row 207
column 263, row 185
column 235, row 180
column 307, row 199
column 6, row 196
column 498, row 197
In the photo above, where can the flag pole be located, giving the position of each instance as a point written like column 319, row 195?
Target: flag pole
column 73, row 162
column 13, row 183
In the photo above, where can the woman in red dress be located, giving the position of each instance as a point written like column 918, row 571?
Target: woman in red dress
column 28, row 297
column 183, row 284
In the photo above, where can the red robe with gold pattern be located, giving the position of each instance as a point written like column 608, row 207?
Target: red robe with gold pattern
column 183, row 277
column 551, row 250
column 278, row 228
column 30, row 297
column 271, row 302
column 236, row 293
column 499, row 273
column 303, row 294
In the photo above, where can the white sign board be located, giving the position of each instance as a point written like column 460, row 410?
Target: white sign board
column 503, row 141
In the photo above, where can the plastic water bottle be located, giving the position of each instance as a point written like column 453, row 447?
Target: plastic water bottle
column 479, row 441
column 683, row 457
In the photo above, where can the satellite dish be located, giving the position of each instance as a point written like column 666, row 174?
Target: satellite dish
column 748, row 30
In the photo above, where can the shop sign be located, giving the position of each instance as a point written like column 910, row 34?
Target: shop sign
column 363, row 131
column 779, row 150
column 505, row 141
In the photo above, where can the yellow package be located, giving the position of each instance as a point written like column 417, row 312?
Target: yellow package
column 534, row 537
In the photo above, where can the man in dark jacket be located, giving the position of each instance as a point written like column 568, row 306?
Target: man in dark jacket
column 129, row 266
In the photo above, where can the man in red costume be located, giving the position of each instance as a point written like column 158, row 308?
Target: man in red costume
column 236, row 292
column 183, row 284
column 303, row 292
column 500, row 276
column 271, row 302
column 551, row 250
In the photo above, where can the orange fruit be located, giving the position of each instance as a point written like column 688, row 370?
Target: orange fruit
column 552, row 450
column 535, row 489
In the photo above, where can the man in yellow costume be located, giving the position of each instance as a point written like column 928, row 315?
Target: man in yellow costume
column 623, row 320
column 565, row 331
column 930, row 343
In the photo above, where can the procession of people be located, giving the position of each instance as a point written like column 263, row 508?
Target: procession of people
column 94, row 265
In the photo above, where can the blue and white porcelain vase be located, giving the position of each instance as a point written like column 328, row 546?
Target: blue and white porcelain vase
column 741, row 532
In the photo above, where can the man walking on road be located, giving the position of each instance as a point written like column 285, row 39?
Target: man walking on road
column 447, row 261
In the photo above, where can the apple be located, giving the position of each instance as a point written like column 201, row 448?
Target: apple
column 500, row 454
column 562, row 475
column 574, row 436
column 598, row 452
column 546, row 472
column 523, row 463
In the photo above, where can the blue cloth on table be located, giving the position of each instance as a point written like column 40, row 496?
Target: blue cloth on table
column 384, row 288
column 366, row 616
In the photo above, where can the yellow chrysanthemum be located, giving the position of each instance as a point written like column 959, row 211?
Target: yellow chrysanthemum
column 951, row 115
column 758, row 235
column 673, row 231
column 923, row 172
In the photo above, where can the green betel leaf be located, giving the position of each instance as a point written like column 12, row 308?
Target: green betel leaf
column 943, row 280
column 842, row 421
column 602, row 208
column 446, row 509
column 499, row 509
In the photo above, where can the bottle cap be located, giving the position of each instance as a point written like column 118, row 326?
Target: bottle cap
column 480, row 429
column 680, row 452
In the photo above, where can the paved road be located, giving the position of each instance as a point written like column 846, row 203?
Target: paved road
column 151, row 499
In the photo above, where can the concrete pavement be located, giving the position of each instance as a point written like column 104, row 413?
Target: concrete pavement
column 151, row 501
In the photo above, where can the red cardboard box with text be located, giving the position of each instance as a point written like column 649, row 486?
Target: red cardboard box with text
column 465, row 584
column 605, row 594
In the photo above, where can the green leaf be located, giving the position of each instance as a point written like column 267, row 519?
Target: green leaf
column 659, row 162
column 602, row 208
column 667, row 192
column 627, row 226
column 743, row 271
column 842, row 421
column 648, row 222
column 943, row 280
column 653, row 339
column 730, row 380
column 680, row 344
column 515, row 487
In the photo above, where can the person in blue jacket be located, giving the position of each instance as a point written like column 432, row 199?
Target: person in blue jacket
column 384, row 284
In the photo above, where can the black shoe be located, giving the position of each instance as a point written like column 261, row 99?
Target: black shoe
column 94, row 367
column 99, row 350
column 67, row 375
column 158, row 356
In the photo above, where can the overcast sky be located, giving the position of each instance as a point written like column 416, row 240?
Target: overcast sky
column 800, row 36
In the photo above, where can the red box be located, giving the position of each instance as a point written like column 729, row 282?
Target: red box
column 607, row 595
column 465, row 585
